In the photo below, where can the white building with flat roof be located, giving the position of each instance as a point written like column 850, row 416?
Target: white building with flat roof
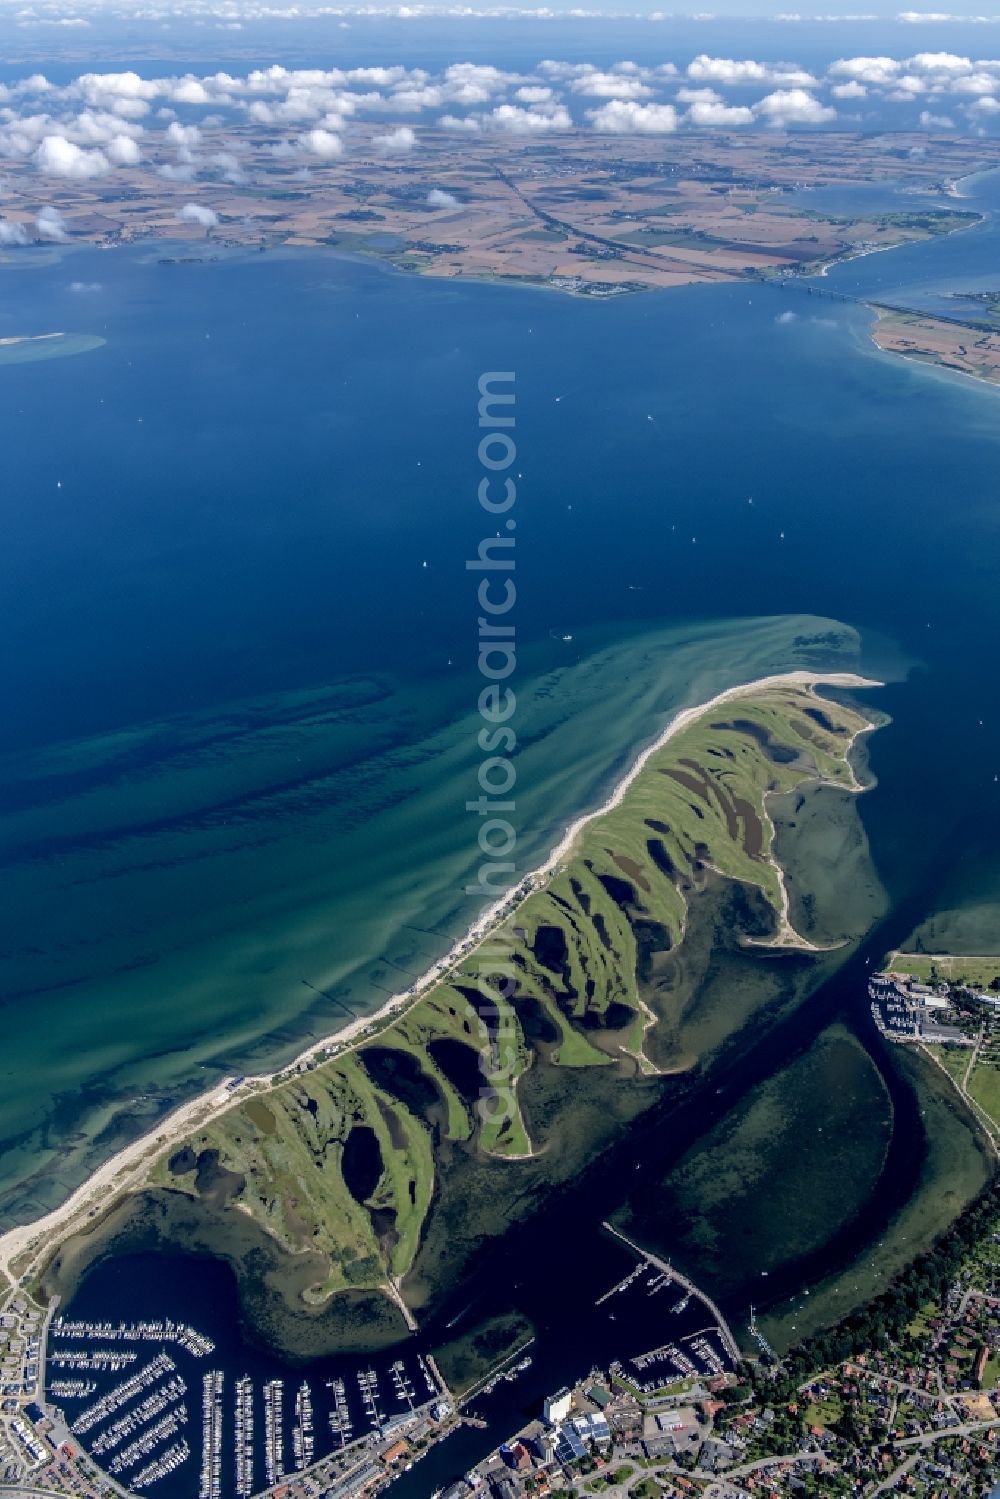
column 558, row 1406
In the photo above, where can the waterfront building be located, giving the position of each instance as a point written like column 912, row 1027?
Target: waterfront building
column 558, row 1406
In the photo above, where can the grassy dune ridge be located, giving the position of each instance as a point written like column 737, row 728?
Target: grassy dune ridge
column 587, row 946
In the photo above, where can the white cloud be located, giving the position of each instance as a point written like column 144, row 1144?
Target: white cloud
column 935, row 122
column 58, row 157
column 466, row 123
column 97, row 128
column 610, row 86
column 12, row 234
column 534, row 93
column 105, row 90
column 378, row 77
column 620, row 117
column 438, row 198
column 879, row 71
column 123, row 151
column 793, row 106
column 517, row 121
column 939, row 62
column 322, row 143
column 50, row 224
column 425, row 97
column 471, row 83
column 553, row 69
column 129, row 109
column 182, row 135
column 975, row 83
column 196, row 213
column 851, row 90
column 697, row 96
column 85, row 288
column 705, row 69
column 226, row 163
column 397, row 142
column 787, row 317
column 908, row 87
column 190, row 91
column 715, row 116
column 171, row 173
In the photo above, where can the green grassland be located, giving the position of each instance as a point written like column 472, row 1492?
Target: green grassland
column 954, row 1059
column 570, row 981
column 984, row 1087
column 824, row 1412
column 977, row 972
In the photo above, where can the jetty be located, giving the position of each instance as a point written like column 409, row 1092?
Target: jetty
column 729, row 1342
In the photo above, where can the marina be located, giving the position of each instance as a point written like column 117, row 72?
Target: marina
column 133, row 1385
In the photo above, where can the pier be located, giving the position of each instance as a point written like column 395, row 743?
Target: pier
column 506, row 1369
column 244, row 1437
column 210, row 1479
column 274, row 1431
column 303, row 1443
column 340, row 1417
column 171, row 1459
column 729, row 1342
column 123, row 1393
column 163, row 1331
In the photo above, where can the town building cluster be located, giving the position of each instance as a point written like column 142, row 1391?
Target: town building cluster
column 918, row 1416
column 906, row 1010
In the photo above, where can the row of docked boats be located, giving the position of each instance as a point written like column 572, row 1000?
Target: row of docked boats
column 157, row 1330
column 124, row 1392
column 159, row 1398
column 210, row 1475
column 176, row 1454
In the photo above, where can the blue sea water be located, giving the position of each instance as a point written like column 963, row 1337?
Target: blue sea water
column 239, row 730
column 226, row 659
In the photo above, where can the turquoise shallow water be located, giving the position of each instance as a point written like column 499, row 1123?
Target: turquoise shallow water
column 240, row 743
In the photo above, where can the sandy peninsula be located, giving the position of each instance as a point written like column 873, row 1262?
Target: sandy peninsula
column 23, row 1249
